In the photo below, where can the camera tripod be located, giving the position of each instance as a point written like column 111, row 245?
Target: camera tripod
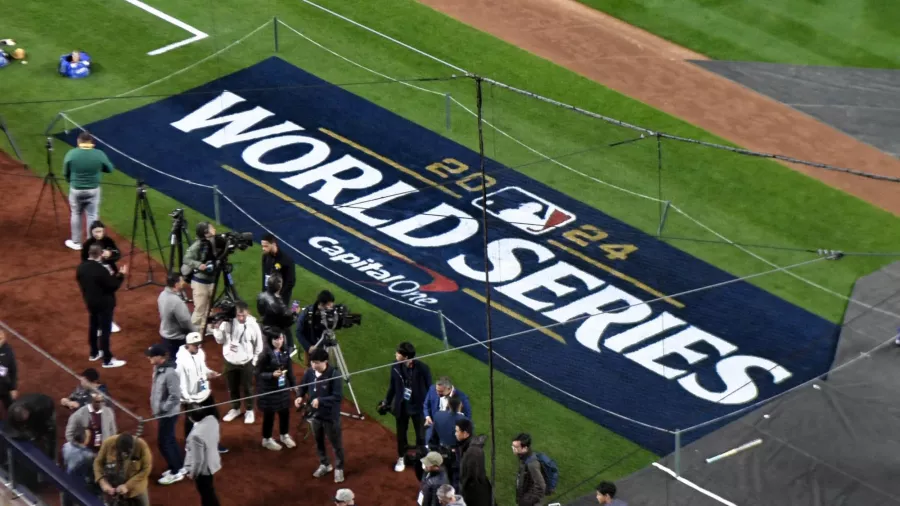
column 222, row 271
column 178, row 237
column 329, row 340
column 142, row 209
column 51, row 181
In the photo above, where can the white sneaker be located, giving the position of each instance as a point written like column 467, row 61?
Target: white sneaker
column 287, row 441
column 338, row 475
column 270, row 444
column 114, row 363
column 400, row 466
column 98, row 356
column 168, row 478
column 115, row 328
column 231, row 415
column 73, row 245
column 249, row 417
column 322, row 471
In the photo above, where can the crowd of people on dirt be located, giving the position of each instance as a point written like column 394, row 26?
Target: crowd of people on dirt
column 260, row 354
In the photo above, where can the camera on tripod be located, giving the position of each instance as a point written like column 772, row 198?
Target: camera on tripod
column 177, row 214
column 339, row 317
column 236, row 241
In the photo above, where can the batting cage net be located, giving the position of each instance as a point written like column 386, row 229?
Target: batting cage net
column 638, row 298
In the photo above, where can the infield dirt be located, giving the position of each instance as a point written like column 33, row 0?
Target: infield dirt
column 659, row 73
column 41, row 300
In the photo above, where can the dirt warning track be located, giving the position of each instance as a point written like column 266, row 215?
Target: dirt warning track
column 650, row 69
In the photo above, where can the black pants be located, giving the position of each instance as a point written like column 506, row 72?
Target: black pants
column 284, row 420
column 99, row 328
column 168, row 446
column 331, row 430
column 240, row 384
column 173, row 345
column 403, row 418
column 206, row 488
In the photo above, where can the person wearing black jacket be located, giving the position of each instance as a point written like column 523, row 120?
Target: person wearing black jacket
column 110, row 255
column 98, row 287
column 410, row 381
column 309, row 325
column 275, row 373
column 33, row 417
column 9, row 373
column 323, row 386
column 275, row 260
column 474, row 485
column 272, row 310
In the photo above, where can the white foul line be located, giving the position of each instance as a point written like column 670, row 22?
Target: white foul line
column 198, row 35
column 693, row 485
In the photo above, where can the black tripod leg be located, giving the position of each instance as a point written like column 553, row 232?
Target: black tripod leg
column 37, row 205
column 159, row 246
column 134, row 224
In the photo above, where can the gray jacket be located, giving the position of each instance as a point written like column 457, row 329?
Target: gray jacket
column 165, row 393
column 174, row 316
column 202, row 448
column 80, row 420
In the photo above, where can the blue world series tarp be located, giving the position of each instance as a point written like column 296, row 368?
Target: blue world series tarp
column 391, row 211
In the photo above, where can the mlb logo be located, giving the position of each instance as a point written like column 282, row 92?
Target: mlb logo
column 525, row 211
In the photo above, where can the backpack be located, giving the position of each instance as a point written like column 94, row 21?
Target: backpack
column 549, row 470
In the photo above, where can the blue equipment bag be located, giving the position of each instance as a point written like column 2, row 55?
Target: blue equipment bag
column 75, row 70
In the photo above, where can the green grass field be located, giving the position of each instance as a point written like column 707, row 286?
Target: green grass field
column 844, row 33
column 749, row 200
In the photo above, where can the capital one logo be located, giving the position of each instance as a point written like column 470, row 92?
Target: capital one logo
column 525, row 210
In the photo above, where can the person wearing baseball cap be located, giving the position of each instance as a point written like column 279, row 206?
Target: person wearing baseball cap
column 434, row 477
column 165, row 402
column 199, row 267
column 194, row 375
column 344, row 497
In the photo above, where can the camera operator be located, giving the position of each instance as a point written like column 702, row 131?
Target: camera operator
column 274, row 260
column 199, row 267
column 324, row 388
column 33, row 417
column 309, row 326
column 122, row 469
column 410, row 381
column 242, row 343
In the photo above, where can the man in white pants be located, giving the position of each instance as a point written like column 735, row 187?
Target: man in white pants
column 82, row 167
column 242, row 342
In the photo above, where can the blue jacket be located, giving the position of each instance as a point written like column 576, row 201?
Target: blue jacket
column 419, row 382
column 443, row 431
column 432, row 402
column 76, row 70
column 329, row 390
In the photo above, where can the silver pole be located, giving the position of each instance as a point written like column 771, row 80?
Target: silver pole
column 443, row 330
column 677, row 453
column 216, row 204
column 662, row 220
column 447, row 107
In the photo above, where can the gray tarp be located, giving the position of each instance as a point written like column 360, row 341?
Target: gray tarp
column 835, row 442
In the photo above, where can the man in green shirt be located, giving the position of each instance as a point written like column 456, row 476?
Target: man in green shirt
column 82, row 168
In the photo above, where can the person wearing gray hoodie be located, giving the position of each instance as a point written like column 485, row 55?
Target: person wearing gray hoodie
column 165, row 402
column 446, row 496
column 202, row 460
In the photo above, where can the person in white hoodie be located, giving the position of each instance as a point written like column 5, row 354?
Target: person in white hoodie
column 194, row 376
column 242, row 342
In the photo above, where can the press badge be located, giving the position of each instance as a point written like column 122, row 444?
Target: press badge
column 282, row 381
column 3, row 371
column 203, row 385
column 98, row 438
column 407, row 394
